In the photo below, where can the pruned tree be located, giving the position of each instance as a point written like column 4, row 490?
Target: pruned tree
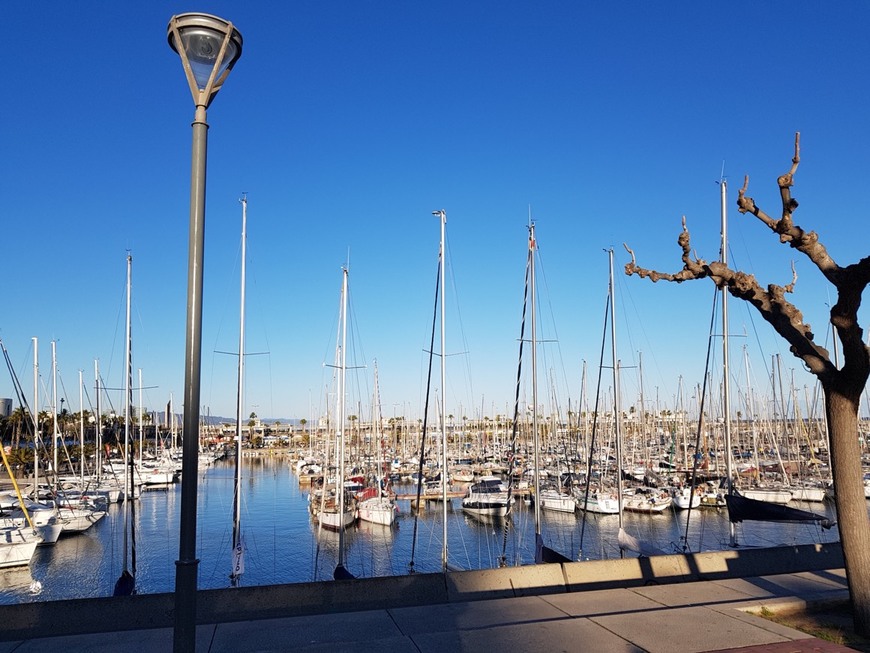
column 842, row 387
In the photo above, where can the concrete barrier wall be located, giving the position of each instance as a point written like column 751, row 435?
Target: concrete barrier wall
column 26, row 621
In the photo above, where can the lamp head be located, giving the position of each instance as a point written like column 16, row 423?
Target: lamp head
column 209, row 47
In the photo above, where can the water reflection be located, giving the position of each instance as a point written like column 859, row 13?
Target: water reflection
column 284, row 545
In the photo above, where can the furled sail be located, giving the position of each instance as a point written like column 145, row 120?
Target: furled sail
column 630, row 543
column 741, row 508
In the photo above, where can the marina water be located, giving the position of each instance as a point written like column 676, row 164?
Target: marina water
column 284, row 545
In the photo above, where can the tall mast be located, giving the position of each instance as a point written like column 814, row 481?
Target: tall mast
column 376, row 433
column 98, row 458
column 81, row 428
column 616, row 396
column 128, row 400
column 444, row 473
column 34, row 415
column 141, row 426
column 726, row 391
column 238, row 548
column 54, row 429
column 582, row 414
column 340, row 418
column 534, row 335
column 442, row 216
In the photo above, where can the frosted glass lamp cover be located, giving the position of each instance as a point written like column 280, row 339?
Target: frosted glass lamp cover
column 202, row 36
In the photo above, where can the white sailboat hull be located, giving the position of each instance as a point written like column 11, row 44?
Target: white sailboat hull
column 17, row 546
column 335, row 520
column 157, row 477
column 557, row 502
column 377, row 511
column 646, row 504
column 77, row 520
column 599, row 504
column 43, row 520
column 684, row 498
column 770, row 495
column 815, row 494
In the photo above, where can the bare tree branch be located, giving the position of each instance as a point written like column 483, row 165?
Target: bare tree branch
column 771, row 303
column 807, row 243
column 842, row 387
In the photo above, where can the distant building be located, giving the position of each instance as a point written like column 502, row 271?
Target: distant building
column 5, row 407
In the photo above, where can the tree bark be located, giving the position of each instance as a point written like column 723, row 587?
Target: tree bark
column 842, row 413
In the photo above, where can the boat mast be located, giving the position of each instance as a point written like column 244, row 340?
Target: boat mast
column 726, row 386
column 98, row 425
column 54, row 432
column 128, row 400
column 442, row 217
column 81, row 428
column 616, row 396
column 34, row 415
column 238, row 552
column 535, row 444
column 141, row 426
column 339, row 429
column 376, row 433
column 584, row 405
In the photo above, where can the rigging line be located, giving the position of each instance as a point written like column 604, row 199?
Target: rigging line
column 514, row 425
column 458, row 310
column 247, row 353
column 253, row 298
column 356, row 349
column 595, row 431
column 425, row 421
column 694, row 479
column 551, row 314
column 108, row 398
column 19, row 391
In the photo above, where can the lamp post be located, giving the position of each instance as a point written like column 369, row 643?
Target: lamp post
column 209, row 48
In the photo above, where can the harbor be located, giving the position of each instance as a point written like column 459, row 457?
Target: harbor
column 284, row 544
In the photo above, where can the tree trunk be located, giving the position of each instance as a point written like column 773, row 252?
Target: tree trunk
column 842, row 412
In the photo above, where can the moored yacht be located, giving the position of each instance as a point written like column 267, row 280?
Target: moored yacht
column 488, row 496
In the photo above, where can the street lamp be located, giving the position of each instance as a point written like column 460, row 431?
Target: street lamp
column 209, row 47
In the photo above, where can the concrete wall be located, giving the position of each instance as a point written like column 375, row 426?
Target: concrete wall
column 245, row 603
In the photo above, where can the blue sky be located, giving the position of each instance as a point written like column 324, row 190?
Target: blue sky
column 348, row 123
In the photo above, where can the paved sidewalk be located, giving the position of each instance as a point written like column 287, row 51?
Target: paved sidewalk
column 677, row 618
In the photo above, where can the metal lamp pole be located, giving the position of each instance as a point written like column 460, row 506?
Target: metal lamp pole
column 209, row 48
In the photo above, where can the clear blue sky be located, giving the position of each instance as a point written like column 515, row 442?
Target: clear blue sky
column 348, row 123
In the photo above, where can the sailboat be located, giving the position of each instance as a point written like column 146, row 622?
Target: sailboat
column 432, row 492
column 559, row 502
column 543, row 553
column 626, row 542
column 75, row 513
column 17, row 543
column 126, row 583
column 601, row 499
column 375, row 505
column 238, row 550
column 22, row 511
column 341, row 513
column 335, row 510
column 552, row 499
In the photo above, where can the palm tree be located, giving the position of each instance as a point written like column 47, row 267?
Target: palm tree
column 15, row 421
